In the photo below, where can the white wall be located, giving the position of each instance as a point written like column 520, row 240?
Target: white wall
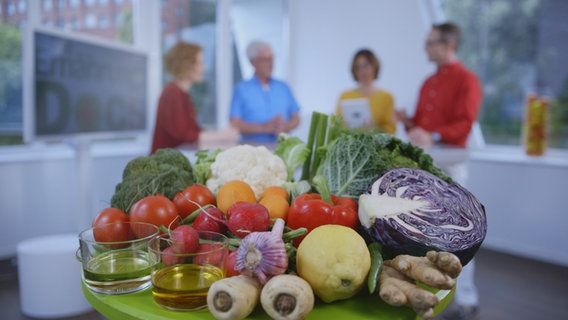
column 526, row 201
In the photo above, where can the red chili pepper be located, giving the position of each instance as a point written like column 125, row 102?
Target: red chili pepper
column 310, row 211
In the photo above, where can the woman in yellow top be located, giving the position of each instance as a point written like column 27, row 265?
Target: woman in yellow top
column 365, row 70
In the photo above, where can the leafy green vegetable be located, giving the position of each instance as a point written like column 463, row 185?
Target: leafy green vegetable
column 166, row 172
column 296, row 188
column 202, row 167
column 293, row 151
column 351, row 164
column 356, row 159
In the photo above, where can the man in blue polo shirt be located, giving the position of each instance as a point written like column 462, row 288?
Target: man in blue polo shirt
column 263, row 107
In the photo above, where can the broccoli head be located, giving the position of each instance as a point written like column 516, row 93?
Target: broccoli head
column 166, row 172
column 140, row 164
column 172, row 157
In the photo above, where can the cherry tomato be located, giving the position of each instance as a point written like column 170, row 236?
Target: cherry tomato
column 157, row 210
column 110, row 225
column 189, row 199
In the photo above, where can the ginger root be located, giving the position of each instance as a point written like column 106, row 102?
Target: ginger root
column 436, row 269
column 397, row 280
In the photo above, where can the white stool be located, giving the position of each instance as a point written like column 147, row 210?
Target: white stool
column 50, row 277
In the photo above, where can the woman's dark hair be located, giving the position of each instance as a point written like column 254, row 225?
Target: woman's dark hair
column 370, row 56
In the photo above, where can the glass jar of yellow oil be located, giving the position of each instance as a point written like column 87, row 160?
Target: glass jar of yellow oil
column 184, row 287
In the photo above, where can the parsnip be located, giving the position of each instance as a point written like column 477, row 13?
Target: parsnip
column 287, row 297
column 233, row 298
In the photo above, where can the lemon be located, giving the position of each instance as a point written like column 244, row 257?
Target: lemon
column 335, row 261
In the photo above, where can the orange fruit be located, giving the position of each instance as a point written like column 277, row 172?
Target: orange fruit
column 277, row 206
column 232, row 192
column 276, row 190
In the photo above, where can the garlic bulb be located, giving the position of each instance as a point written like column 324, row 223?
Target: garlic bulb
column 263, row 254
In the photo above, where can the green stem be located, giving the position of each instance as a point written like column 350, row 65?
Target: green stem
column 322, row 187
column 189, row 219
column 164, row 229
column 321, row 136
column 294, row 233
column 310, row 144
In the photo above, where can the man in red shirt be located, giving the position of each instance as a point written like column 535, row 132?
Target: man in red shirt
column 447, row 108
column 449, row 99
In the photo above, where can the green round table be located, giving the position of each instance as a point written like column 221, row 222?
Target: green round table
column 140, row 305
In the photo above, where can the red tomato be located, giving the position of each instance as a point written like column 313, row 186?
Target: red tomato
column 157, row 210
column 110, row 226
column 310, row 211
column 189, row 200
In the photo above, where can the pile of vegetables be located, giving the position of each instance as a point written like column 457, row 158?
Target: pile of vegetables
column 414, row 218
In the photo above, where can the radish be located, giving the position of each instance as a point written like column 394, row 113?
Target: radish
column 213, row 254
column 185, row 239
column 245, row 217
column 210, row 219
column 169, row 257
column 231, row 260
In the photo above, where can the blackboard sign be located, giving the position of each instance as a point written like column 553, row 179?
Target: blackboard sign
column 81, row 86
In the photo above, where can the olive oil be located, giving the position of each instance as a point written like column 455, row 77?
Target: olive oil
column 184, row 287
column 119, row 271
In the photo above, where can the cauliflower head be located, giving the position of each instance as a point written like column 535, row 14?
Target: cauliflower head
column 255, row 165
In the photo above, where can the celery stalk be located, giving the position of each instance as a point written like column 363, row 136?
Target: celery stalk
column 310, row 144
column 321, row 136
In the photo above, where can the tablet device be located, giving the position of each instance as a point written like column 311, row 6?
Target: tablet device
column 356, row 112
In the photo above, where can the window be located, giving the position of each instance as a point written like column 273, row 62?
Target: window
column 74, row 23
column 195, row 22
column 103, row 21
column 11, row 8
column 516, row 47
column 90, row 21
column 22, row 6
column 46, row 5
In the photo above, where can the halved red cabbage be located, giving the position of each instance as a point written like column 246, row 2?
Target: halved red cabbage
column 411, row 211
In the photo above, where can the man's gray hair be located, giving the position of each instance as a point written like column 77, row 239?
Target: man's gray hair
column 255, row 47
